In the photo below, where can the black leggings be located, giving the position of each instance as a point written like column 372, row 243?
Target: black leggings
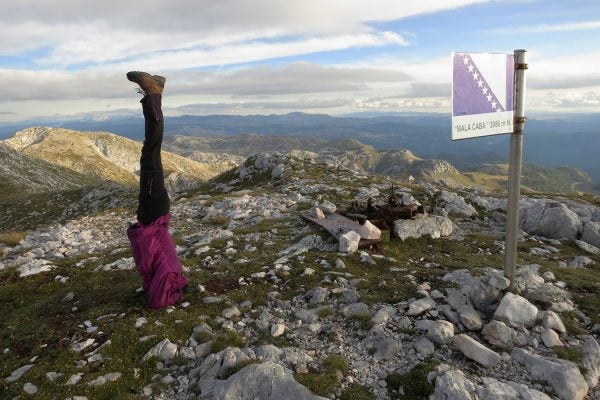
column 153, row 198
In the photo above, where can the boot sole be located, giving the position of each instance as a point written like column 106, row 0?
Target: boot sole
column 134, row 76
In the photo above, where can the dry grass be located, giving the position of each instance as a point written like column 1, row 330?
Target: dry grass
column 12, row 238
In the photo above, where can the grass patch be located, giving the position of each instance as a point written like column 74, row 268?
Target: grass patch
column 325, row 379
column 227, row 372
column 571, row 324
column 326, row 312
column 357, row 392
column 569, row 353
column 12, row 238
column 363, row 320
column 414, row 383
column 218, row 220
column 227, row 339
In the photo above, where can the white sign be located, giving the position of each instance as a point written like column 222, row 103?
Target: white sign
column 482, row 94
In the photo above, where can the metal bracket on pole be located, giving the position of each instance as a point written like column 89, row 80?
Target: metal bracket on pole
column 514, row 168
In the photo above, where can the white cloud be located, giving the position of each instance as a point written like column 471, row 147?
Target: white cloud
column 547, row 28
column 85, row 31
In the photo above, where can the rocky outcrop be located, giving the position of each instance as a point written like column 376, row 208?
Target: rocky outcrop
column 435, row 226
column 562, row 375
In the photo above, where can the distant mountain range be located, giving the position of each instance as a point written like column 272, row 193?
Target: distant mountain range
column 59, row 159
column 550, row 140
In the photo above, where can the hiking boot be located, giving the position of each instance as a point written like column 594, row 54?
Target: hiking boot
column 149, row 84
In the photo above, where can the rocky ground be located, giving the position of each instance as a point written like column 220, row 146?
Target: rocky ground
column 275, row 310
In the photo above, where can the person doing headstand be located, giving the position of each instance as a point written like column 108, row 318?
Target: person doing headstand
column 153, row 249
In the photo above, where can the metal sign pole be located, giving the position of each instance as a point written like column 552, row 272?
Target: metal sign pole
column 514, row 168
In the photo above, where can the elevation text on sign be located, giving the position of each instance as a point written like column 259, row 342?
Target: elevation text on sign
column 482, row 94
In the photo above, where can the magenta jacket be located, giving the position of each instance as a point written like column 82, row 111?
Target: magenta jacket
column 156, row 260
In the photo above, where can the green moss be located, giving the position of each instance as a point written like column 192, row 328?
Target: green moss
column 357, row 392
column 227, row 372
column 227, row 339
column 324, row 380
column 363, row 320
column 414, row 383
column 571, row 324
column 12, row 238
column 569, row 353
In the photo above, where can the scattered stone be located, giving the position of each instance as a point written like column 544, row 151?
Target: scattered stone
column 30, row 388
column 101, row 380
column 470, row 318
column 590, row 360
column 418, row 307
column 318, row 295
column 440, row 331
column 453, row 385
column 369, row 231
column 424, row 346
column 356, row 309
column 435, row 226
column 386, row 349
column 587, row 247
column 551, row 339
column 80, row 346
column 266, row 381
column 164, row 350
column 17, row 373
column 498, row 334
column 580, row 262
column 277, row 330
column 475, row 350
column 73, row 379
column 516, row 311
column 562, row 375
column 53, row 375
column 551, row 320
column 231, row 312
column 349, row 242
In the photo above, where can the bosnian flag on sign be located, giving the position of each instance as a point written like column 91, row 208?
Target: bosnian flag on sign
column 482, row 94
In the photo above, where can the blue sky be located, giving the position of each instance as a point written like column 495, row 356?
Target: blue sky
column 67, row 59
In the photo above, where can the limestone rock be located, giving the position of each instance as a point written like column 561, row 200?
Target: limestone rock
column 562, row 375
column 587, row 247
column 369, row 231
column 349, row 242
column 453, row 385
column 440, row 331
column 101, row 380
column 277, row 330
column 455, row 204
column 356, row 309
column 266, row 381
column 551, row 219
column 516, row 311
column 470, row 318
column 550, row 338
column 498, row 334
column 424, row 346
column 17, row 373
column 231, row 312
column 591, row 233
column 475, row 350
column 552, row 320
column 418, row 307
column 164, row 350
column 435, row 226
column 590, row 360
column 386, row 349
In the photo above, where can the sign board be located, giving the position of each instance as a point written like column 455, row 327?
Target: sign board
column 482, row 94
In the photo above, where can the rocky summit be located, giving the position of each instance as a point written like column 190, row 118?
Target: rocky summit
column 274, row 310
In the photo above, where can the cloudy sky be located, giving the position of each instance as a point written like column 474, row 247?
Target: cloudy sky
column 68, row 58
